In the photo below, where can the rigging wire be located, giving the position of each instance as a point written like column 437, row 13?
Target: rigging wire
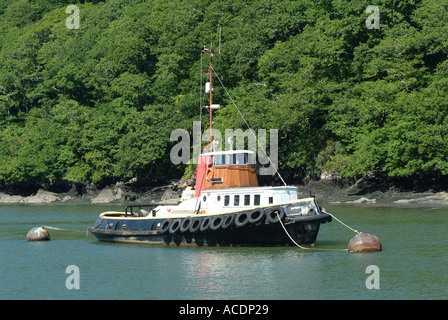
column 250, row 129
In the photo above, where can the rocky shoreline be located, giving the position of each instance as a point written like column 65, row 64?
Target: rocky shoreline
column 114, row 194
column 362, row 192
column 328, row 194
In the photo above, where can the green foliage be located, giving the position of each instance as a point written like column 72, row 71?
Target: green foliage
column 99, row 103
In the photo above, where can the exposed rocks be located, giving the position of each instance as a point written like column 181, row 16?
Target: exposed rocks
column 365, row 191
column 108, row 195
column 41, row 196
column 118, row 193
column 170, row 196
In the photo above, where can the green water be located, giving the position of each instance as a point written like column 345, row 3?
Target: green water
column 412, row 265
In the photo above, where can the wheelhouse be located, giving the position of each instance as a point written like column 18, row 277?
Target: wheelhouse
column 226, row 169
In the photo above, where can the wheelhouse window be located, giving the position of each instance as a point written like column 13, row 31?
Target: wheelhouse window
column 232, row 158
column 241, row 158
column 219, row 160
column 247, row 199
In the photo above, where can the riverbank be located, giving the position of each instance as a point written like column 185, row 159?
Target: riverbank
column 362, row 192
column 118, row 193
column 328, row 193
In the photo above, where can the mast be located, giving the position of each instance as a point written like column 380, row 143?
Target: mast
column 209, row 87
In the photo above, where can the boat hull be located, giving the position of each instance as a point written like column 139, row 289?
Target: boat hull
column 251, row 230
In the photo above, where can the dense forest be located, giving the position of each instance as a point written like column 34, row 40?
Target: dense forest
column 97, row 104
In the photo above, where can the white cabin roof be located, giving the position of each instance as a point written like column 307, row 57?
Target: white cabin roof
column 217, row 153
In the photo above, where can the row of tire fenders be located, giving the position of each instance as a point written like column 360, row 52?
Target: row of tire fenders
column 221, row 221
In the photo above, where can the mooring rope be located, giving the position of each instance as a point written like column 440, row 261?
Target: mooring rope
column 298, row 245
column 61, row 229
column 287, row 233
column 345, row 225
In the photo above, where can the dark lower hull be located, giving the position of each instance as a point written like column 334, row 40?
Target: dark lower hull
column 255, row 232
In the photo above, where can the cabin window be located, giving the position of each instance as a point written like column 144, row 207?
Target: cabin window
column 226, row 201
column 241, row 158
column 220, row 160
column 247, row 199
column 232, row 158
column 218, row 198
column 237, row 159
column 271, row 199
column 236, row 200
column 256, row 200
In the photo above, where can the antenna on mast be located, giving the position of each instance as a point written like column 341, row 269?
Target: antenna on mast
column 209, row 85
column 219, row 46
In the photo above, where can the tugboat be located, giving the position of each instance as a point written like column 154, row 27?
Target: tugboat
column 226, row 208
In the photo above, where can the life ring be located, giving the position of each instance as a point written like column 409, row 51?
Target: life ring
column 271, row 214
column 194, row 225
column 205, row 223
column 227, row 221
column 209, row 174
column 241, row 219
column 216, row 223
column 256, row 216
column 185, row 225
column 164, row 227
column 175, row 225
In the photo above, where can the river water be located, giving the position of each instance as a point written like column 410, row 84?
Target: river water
column 412, row 265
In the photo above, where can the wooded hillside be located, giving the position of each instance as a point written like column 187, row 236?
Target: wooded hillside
column 98, row 103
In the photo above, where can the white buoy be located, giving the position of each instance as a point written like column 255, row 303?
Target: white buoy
column 38, row 234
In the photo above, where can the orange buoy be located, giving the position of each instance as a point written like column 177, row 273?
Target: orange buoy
column 364, row 242
column 38, row 234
